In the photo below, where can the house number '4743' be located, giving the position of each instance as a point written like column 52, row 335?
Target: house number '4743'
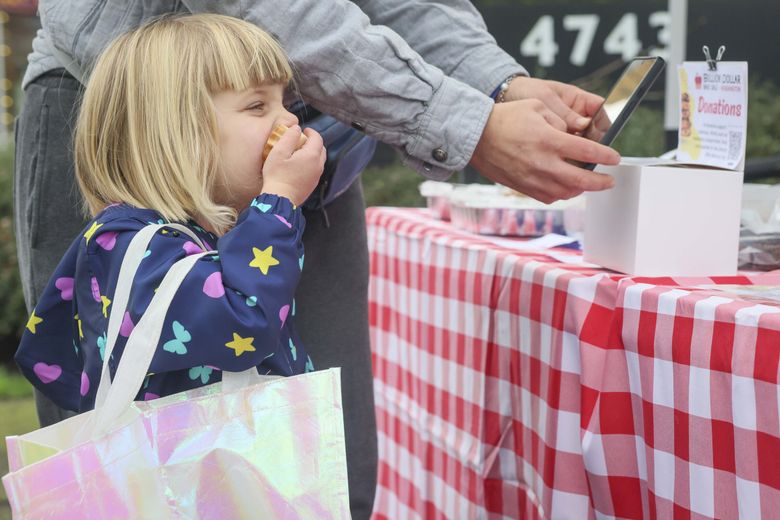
column 622, row 40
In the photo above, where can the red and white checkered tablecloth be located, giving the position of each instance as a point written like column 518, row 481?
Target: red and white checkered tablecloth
column 509, row 385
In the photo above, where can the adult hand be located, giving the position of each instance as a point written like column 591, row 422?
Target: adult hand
column 572, row 104
column 525, row 146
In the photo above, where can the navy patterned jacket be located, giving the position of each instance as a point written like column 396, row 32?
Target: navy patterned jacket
column 233, row 311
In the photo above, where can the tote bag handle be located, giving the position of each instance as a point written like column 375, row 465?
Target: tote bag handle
column 135, row 253
column 117, row 395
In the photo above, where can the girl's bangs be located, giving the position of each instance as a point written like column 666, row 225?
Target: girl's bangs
column 242, row 60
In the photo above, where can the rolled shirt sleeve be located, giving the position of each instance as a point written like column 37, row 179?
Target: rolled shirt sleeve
column 452, row 36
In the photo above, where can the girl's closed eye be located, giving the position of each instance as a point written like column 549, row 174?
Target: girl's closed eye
column 257, row 105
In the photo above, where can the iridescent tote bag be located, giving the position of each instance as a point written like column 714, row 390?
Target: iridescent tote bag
column 248, row 447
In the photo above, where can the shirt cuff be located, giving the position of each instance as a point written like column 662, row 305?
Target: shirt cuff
column 277, row 205
column 472, row 69
column 449, row 130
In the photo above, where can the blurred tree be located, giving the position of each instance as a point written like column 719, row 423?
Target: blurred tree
column 13, row 314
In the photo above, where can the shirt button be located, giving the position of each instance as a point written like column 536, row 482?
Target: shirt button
column 358, row 126
column 440, row 155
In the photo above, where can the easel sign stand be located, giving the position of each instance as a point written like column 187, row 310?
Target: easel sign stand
column 681, row 217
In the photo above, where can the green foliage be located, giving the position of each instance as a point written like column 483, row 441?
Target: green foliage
column 13, row 385
column 763, row 119
column 393, row 185
column 13, row 314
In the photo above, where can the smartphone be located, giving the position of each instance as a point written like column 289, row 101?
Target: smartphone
column 628, row 91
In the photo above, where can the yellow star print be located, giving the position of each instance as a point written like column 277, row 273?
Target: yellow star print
column 241, row 345
column 91, row 231
column 78, row 321
column 263, row 259
column 106, row 303
column 33, row 321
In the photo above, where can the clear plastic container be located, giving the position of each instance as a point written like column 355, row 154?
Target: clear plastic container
column 495, row 210
column 437, row 197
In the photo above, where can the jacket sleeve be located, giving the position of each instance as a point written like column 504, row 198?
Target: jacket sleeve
column 358, row 72
column 450, row 35
column 230, row 310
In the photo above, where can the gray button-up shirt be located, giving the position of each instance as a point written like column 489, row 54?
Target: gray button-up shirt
column 414, row 74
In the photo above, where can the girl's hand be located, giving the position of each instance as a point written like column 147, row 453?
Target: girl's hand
column 294, row 173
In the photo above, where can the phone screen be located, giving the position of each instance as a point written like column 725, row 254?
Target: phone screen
column 624, row 97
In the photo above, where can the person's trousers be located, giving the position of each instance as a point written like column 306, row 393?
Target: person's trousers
column 331, row 299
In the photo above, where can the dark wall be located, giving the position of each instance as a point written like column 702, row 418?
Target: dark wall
column 748, row 29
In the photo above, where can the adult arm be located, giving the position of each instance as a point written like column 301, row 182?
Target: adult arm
column 452, row 35
column 368, row 75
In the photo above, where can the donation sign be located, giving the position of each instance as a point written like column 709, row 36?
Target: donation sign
column 713, row 114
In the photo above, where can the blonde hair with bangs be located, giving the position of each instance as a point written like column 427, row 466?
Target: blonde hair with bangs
column 147, row 133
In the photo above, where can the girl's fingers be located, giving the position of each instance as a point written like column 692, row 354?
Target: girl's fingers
column 288, row 142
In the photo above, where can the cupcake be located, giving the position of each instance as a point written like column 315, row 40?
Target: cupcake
column 277, row 132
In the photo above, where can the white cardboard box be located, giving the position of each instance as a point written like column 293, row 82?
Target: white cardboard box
column 662, row 219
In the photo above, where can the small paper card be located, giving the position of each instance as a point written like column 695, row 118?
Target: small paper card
column 713, row 114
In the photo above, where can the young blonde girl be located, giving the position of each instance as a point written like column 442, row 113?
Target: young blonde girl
column 171, row 129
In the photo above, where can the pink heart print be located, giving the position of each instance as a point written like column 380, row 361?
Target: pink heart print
column 95, row 289
column 191, row 248
column 213, row 287
column 283, row 312
column 65, row 285
column 107, row 240
column 84, row 384
column 47, row 373
column 127, row 326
